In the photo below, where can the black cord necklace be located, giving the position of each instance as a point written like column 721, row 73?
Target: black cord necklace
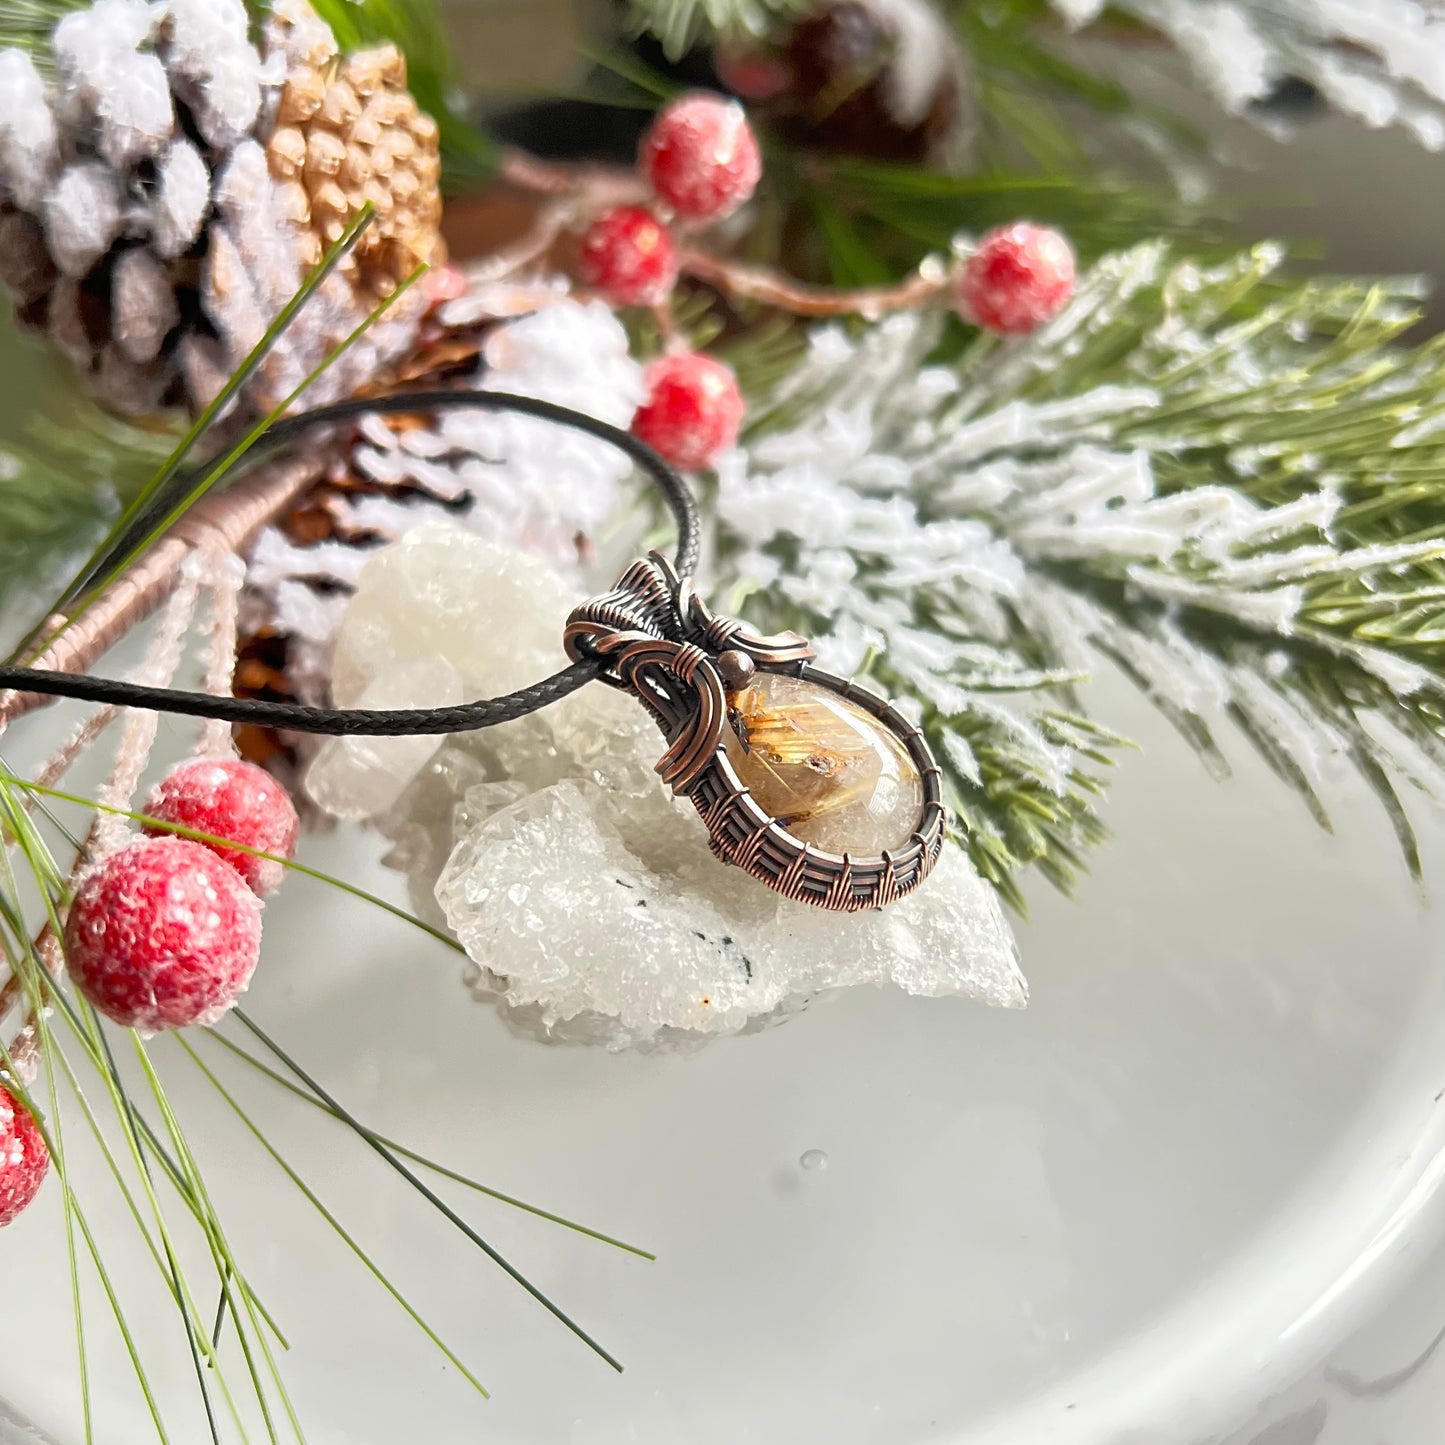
column 813, row 785
column 296, row 717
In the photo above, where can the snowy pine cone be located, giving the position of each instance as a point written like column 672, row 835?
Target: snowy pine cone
column 164, row 195
column 494, row 473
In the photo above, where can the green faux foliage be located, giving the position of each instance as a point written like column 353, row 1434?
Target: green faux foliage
column 28, row 24
column 1228, row 481
column 66, row 466
column 1040, row 136
column 681, row 24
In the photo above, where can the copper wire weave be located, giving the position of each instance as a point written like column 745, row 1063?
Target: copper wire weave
column 662, row 643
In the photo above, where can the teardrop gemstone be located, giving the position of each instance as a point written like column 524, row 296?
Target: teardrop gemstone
column 830, row 773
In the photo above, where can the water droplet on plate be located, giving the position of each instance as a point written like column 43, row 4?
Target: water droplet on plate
column 813, row 1160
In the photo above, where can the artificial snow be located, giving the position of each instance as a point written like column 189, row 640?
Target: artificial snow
column 1382, row 61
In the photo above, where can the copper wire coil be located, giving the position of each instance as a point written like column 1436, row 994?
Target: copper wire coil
column 664, row 644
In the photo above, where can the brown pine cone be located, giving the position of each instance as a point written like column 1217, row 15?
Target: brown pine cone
column 149, row 223
column 349, row 132
column 883, row 79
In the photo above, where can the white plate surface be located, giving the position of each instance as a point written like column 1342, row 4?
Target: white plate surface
column 1209, row 1150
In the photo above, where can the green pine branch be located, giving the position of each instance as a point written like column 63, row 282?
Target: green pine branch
column 27, row 25
column 678, row 25
column 66, row 467
column 1041, row 136
column 1227, row 480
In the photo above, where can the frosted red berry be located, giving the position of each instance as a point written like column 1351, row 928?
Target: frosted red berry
column 628, row 256
column 1019, row 277
column 701, row 157
column 163, row 934
column 231, row 799
column 750, row 73
column 24, row 1159
column 693, row 410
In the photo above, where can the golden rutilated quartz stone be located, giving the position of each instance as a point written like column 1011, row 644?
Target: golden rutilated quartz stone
column 830, row 773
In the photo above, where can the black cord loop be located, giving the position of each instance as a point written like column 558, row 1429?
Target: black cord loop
column 406, row 722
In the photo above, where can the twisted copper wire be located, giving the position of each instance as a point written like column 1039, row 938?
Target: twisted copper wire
column 228, row 520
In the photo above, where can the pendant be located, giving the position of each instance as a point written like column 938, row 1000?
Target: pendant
column 808, row 782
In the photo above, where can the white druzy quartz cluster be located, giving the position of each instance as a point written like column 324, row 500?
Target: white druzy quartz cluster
column 584, row 894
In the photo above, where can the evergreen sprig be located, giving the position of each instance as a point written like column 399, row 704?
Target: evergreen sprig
column 28, row 24
column 1228, row 481
column 680, row 24
column 1040, row 135
column 61, row 480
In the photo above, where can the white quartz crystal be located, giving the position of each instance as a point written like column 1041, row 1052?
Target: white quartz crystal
column 585, row 895
column 357, row 777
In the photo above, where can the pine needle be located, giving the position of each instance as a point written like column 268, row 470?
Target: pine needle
column 121, row 545
column 331, row 1219
column 55, row 1144
column 232, row 1282
column 429, row 1164
column 18, row 948
column 179, row 1291
column 432, row 1198
column 146, row 820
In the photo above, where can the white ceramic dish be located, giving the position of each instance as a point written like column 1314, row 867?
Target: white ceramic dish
column 1151, row 1210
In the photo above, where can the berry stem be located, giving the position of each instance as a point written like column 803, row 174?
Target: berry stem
column 667, row 327
column 593, row 188
column 773, row 288
column 24, row 1044
column 601, row 186
column 534, row 243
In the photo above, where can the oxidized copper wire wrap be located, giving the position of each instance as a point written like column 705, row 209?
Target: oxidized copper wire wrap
column 663, row 643
column 227, row 520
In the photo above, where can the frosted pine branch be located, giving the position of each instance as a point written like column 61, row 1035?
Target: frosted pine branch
column 1382, row 61
column 1228, row 484
column 680, row 23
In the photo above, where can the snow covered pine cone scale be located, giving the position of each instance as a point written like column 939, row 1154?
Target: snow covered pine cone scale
column 164, row 194
column 808, row 783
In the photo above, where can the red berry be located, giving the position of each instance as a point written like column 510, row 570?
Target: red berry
column 1018, row 278
column 693, row 409
column 24, row 1159
column 750, row 73
column 627, row 255
column 701, row 157
column 230, row 799
column 163, row 934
